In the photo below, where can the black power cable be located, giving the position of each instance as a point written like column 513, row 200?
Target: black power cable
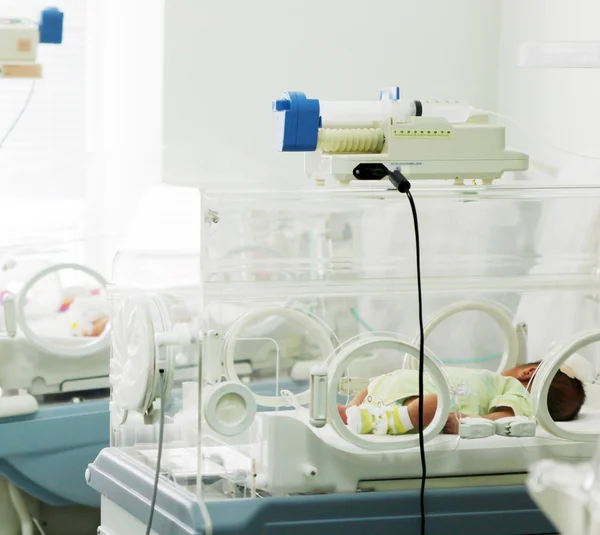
column 402, row 184
column 161, row 434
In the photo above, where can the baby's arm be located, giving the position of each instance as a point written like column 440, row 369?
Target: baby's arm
column 513, row 400
column 499, row 412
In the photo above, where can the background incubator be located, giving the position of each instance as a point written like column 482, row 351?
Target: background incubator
column 568, row 494
column 54, row 326
column 54, row 368
column 324, row 282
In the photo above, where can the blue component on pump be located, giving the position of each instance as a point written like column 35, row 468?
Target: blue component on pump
column 51, row 26
column 298, row 121
column 390, row 93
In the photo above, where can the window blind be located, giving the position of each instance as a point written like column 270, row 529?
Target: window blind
column 44, row 156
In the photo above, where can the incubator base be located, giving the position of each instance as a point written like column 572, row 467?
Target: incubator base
column 307, row 460
column 342, row 467
column 126, row 488
column 23, row 366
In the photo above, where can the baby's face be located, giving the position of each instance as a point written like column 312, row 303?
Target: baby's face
column 522, row 373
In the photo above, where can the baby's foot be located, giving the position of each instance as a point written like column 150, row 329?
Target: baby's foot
column 342, row 410
column 98, row 327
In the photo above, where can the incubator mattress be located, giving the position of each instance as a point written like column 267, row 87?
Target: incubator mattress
column 588, row 422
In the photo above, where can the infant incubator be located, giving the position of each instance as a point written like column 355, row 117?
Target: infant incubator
column 53, row 325
column 54, row 387
column 227, row 367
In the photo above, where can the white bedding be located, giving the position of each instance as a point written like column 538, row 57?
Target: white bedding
column 588, row 422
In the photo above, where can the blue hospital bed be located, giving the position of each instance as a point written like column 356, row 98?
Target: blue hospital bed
column 46, row 454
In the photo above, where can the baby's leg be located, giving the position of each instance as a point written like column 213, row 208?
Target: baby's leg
column 392, row 420
column 429, row 408
column 357, row 400
column 98, row 327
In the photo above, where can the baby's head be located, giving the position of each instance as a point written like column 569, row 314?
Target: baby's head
column 566, row 395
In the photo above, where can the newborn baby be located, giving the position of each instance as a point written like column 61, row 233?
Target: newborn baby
column 85, row 317
column 390, row 404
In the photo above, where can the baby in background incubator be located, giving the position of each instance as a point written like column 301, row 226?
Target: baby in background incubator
column 82, row 312
column 390, row 404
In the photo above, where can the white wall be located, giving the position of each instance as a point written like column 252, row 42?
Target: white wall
column 184, row 91
column 225, row 62
column 562, row 104
column 124, row 115
column 44, row 161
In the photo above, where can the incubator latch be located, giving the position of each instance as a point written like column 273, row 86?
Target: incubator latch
column 10, row 315
column 211, row 366
column 309, row 471
column 181, row 335
column 318, row 397
column 212, row 217
column 522, row 332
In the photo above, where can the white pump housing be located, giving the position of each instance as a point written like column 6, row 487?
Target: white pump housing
column 363, row 141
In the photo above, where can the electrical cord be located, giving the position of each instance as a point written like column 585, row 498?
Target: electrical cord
column 38, row 525
column 402, row 184
column 161, row 433
column 19, row 115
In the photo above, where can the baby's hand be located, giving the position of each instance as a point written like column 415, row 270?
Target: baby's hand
column 451, row 427
column 452, row 423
